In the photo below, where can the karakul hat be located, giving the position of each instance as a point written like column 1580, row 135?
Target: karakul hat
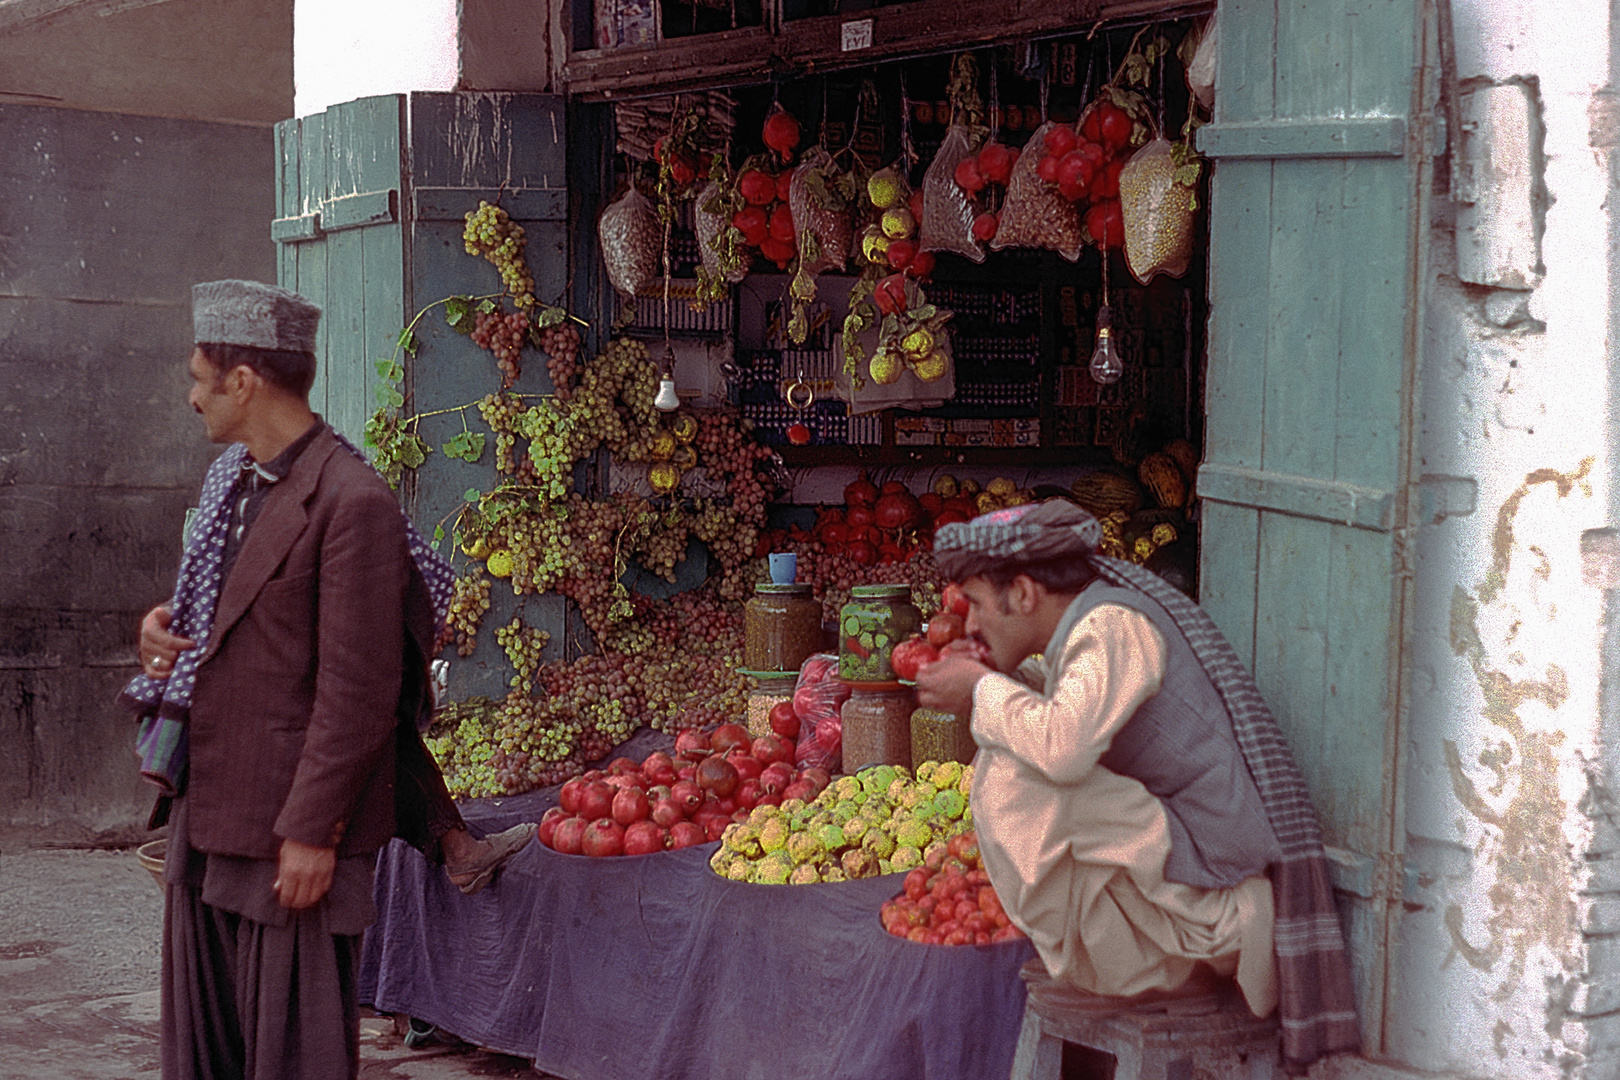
column 252, row 313
column 1034, row 532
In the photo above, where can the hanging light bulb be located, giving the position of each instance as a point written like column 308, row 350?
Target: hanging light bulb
column 667, row 400
column 1106, row 366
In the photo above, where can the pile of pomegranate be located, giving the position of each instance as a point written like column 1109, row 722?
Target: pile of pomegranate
column 949, row 901
column 666, row 802
column 1084, row 162
column 949, row 624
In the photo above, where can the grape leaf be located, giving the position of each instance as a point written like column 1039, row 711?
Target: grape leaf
column 471, row 495
column 407, row 341
column 458, row 314
column 384, row 367
column 438, row 533
column 1187, row 175
column 549, row 317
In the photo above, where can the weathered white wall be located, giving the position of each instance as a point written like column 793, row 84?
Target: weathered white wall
column 1496, row 972
column 360, row 48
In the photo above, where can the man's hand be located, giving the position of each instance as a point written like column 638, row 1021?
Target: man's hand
column 947, row 684
column 303, row 874
column 159, row 648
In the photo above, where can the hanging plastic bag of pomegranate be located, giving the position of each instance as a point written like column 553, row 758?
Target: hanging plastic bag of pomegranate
column 730, row 266
column 818, row 697
column 632, row 242
column 948, row 225
column 819, row 208
column 1035, row 214
column 1157, row 200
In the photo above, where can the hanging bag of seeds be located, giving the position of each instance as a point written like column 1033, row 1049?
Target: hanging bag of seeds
column 948, row 224
column 819, row 207
column 1035, row 215
column 632, row 242
column 1156, row 197
column 722, row 260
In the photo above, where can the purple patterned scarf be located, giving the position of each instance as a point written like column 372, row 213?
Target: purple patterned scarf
column 163, row 706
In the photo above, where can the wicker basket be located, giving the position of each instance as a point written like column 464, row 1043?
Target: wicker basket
column 151, row 856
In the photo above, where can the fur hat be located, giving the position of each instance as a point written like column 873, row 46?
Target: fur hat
column 252, row 313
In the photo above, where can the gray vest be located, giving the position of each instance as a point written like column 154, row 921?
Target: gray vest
column 1180, row 746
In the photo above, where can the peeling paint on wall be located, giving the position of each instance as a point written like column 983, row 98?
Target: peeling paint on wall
column 1532, row 901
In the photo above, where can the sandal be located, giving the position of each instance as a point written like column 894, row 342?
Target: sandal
column 502, row 846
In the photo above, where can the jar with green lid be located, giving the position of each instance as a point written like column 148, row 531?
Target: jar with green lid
column 941, row 736
column 877, row 726
column 876, row 619
column 781, row 626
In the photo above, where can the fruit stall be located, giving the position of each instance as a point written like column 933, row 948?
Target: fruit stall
column 690, row 488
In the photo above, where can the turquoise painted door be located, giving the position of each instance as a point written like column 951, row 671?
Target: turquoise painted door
column 371, row 197
column 340, row 242
column 1319, row 144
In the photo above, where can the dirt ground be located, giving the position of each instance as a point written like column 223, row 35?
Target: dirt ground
column 80, row 933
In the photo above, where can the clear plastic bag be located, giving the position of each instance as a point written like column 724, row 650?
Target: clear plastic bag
column 1035, row 215
column 709, row 226
column 1158, row 213
column 831, row 228
column 818, row 698
column 948, row 223
column 632, row 242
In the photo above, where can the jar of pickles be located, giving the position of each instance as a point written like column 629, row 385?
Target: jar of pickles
column 781, row 626
column 876, row 619
column 877, row 725
column 941, row 736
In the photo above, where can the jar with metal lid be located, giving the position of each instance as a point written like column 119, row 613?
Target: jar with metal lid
column 941, row 736
column 877, row 725
column 781, row 626
column 876, row 619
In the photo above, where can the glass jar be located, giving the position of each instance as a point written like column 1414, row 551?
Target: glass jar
column 877, row 726
column 770, row 692
column 877, row 618
column 781, row 626
column 941, row 736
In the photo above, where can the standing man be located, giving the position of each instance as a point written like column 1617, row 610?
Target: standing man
column 280, row 715
column 1137, row 809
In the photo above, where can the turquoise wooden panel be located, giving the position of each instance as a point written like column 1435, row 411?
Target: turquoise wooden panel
column 506, row 148
column 287, row 180
column 1240, row 312
column 310, row 276
column 1228, row 572
column 1247, row 61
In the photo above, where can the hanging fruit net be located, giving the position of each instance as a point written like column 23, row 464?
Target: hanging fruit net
column 948, row 225
column 632, row 242
column 819, row 210
column 1035, row 215
column 1158, row 211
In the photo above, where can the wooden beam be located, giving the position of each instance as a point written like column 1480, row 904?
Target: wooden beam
column 804, row 46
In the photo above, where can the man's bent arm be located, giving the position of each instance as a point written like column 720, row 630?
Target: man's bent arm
column 1112, row 662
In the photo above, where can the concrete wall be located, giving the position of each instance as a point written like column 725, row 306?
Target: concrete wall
column 1506, row 965
column 105, row 223
column 225, row 60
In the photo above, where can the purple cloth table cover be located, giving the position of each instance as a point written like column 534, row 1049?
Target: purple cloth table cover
column 652, row 966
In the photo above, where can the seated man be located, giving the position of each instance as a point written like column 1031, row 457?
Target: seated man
column 1120, row 816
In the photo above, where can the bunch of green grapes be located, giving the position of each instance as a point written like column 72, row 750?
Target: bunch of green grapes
column 539, row 541
column 550, row 432
column 522, row 644
column 500, row 412
column 465, row 749
column 492, row 234
column 467, row 606
column 661, row 541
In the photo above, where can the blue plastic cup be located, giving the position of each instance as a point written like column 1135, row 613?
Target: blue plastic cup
column 784, row 567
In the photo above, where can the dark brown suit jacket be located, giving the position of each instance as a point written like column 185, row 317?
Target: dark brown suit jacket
column 299, row 688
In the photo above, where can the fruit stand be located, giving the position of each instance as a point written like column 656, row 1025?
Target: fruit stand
column 809, row 323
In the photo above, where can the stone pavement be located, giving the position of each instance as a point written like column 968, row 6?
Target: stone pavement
column 79, row 964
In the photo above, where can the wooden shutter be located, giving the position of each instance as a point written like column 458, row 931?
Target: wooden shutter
column 1319, row 149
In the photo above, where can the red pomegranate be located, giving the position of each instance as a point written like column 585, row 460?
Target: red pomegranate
column 623, row 766
column 803, row 790
column 603, row 837
column 728, row 737
column 784, row 721
column 687, row 795
column 548, row 824
column 667, row 813
column 568, row 797
column 596, row 801
column 659, row 768
column 692, row 744
column 643, row 838
column 686, row 834
column 860, row 492
column 769, row 748
column 716, row 774
column 748, row 793
column 781, row 133
column 630, row 806
column 569, row 836
column 714, row 828
column 757, row 188
column 747, row 765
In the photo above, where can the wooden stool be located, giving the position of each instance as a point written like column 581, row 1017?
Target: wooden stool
column 1210, row 1035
